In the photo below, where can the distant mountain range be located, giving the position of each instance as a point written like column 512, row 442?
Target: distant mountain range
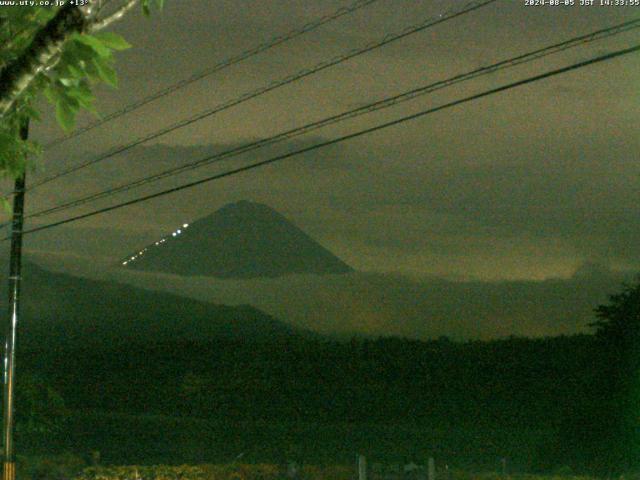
column 132, row 306
column 62, row 311
column 240, row 240
column 386, row 304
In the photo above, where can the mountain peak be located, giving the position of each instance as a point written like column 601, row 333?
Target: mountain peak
column 247, row 207
column 244, row 239
column 248, row 204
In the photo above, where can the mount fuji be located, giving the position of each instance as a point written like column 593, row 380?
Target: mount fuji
column 240, row 240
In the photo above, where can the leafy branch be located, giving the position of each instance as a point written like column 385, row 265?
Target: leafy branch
column 59, row 53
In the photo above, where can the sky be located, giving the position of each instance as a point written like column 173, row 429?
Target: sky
column 526, row 184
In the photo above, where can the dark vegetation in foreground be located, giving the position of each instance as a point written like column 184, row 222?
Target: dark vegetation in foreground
column 540, row 403
column 544, row 404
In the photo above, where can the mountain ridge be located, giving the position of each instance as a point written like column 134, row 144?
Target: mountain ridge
column 58, row 308
column 240, row 240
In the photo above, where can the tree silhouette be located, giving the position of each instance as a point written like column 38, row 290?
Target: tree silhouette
column 618, row 323
column 603, row 432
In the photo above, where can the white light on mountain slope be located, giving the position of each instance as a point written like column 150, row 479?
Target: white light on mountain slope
column 216, row 247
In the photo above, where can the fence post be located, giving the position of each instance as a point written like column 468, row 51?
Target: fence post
column 431, row 469
column 362, row 467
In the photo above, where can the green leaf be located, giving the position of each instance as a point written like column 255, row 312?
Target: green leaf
column 76, row 71
column 6, row 205
column 69, row 82
column 66, row 114
column 82, row 93
column 50, row 94
column 80, row 56
column 146, row 6
column 85, row 59
column 146, row 9
column 113, row 41
column 106, row 72
column 75, row 51
column 92, row 71
column 83, row 90
column 95, row 43
column 13, row 152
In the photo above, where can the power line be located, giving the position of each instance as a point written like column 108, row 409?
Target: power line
column 375, row 106
column 430, row 22
column 263, row 47
column 343, row 138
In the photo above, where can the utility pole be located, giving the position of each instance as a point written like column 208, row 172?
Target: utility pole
column 15, row 261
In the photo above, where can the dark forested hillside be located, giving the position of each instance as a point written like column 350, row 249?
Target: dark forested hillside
column 66, row 312
column 132, row 365
column 465, row 397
